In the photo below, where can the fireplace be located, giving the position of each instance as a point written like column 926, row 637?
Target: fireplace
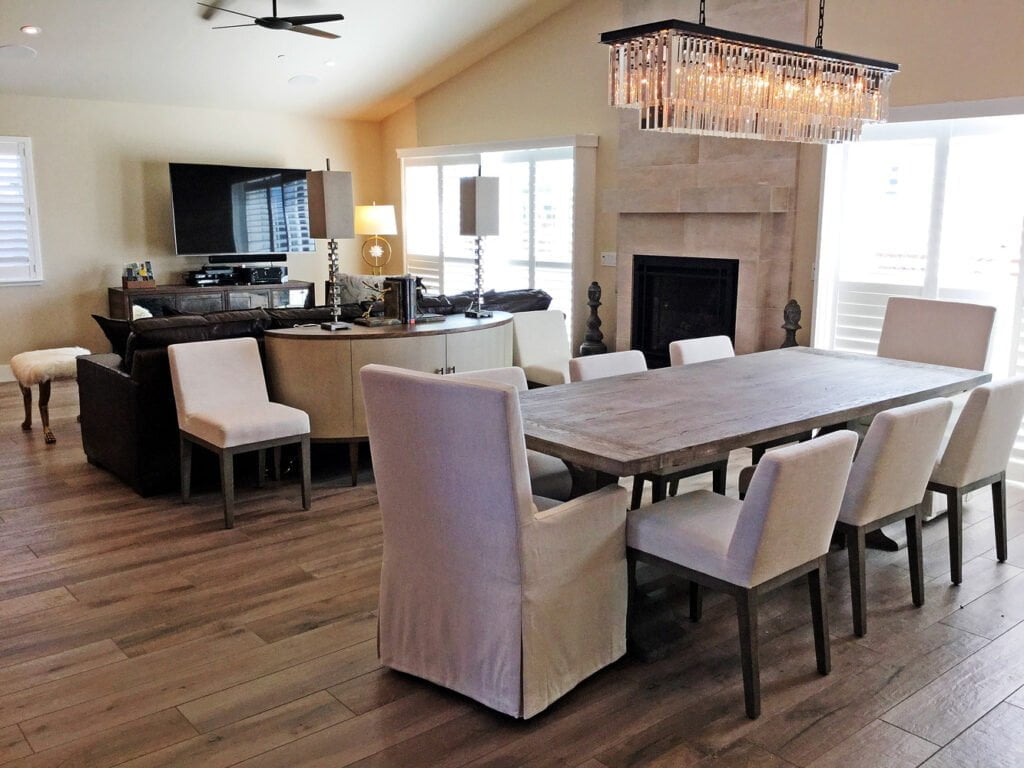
column 681, row 298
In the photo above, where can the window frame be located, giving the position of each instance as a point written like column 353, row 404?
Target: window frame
column 33, row 271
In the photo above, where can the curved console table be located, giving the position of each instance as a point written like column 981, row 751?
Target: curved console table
column 318, row 371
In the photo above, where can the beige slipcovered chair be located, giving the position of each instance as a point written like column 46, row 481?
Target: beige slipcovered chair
column 976, row 455
column 887, row 484
column 549, row 476
column 633, row 361
column 540, row 346
column 222, row 402
column 780, row 532
column 481, row 592
column 950, row 333
column 689, row 351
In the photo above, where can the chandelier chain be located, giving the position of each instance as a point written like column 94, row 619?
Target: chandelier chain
column 819, row 41
column 703, row 14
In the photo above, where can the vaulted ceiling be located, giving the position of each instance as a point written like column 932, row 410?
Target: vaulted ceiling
column 164, row 52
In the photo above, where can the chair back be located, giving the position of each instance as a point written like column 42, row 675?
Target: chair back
column 687, row 351
column 210, row 376
column 791, row 506
column 608, row 364
column 510, row 376
column 539, row 338
column 895, row 461
column 983, row 437
column 950, row 333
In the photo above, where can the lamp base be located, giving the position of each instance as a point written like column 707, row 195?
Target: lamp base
column 335, row 325
column 478, row 313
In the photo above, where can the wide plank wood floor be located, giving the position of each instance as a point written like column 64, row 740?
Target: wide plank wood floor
column 139, row 632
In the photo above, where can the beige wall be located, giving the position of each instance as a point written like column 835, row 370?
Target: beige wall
column 397, row 131
column 104, row 197
column 552, row 81
column 948, row 51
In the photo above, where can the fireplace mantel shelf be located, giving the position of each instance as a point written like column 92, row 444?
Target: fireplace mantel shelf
column 739, row 199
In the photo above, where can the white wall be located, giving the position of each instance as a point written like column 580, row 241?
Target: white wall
column 104, row 197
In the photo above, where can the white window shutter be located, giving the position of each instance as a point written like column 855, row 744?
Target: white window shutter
column 19, row 240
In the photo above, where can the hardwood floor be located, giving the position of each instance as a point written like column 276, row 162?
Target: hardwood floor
column 139, row 632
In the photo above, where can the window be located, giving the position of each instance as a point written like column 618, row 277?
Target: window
column 19, row 233
column 928, row 209
column 537, row 212
column 271, row 215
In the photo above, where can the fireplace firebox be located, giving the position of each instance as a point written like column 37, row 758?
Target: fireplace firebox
column 681, row 298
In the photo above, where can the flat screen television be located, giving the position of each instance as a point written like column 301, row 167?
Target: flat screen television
column 239, row 213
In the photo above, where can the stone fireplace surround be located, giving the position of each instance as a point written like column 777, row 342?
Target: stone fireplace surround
column 710, row 197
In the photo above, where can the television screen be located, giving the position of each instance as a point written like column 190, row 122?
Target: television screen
column 233, row 210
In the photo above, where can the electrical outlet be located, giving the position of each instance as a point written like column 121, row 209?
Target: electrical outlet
column 608, row 258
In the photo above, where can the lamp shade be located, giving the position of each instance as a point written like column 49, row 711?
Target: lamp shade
column 330, row 204
column 479, row 205
column 376, row 220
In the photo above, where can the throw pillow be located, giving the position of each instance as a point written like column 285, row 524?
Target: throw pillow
column 116, row 332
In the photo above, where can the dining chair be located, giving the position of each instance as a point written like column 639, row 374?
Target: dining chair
column 481, row 592
column 976, row 456
column 780, row 532
column 952, row 333
column 540, row 346
column 221, row 398
column 886, row 485
column 633, row 361
column 549, row 476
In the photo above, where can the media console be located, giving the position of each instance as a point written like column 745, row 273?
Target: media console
column 202, row 299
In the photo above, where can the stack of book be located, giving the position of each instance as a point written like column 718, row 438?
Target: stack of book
column 400, row 298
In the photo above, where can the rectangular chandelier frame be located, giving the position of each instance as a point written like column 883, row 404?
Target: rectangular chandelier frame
column 691, row 78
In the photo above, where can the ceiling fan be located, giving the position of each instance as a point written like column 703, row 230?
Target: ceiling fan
column 289, row 23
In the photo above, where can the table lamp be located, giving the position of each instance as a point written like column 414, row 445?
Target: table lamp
column 376, row 220
column 330, row 218
column 478, row 209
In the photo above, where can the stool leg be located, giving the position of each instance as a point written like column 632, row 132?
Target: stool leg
column 44, row 412
column 227, row 487
column 26, row 394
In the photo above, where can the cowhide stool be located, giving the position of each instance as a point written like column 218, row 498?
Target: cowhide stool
column 40, row 367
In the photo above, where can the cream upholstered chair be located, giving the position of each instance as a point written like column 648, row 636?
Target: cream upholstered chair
column 976, row 455
column 887, row 484
column 540, row 346
column 633, row 361
column 222, row 402
column 950, row 333
column 689, row 351
column 780, row 532
column 481, row 592
column 549, row 476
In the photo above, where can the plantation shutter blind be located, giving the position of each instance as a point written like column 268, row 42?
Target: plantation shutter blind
column 19, row 256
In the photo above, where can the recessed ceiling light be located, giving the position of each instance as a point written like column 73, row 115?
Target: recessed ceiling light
column 31, row 29
column 17, row 52
column 330, row 63
column 303, row 80
column 281, row 57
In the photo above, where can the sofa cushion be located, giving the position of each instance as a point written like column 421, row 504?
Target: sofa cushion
column 237, row 322
column 116, row 331
column 158, row 332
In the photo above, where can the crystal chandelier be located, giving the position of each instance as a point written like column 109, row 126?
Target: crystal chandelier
column 692, row 78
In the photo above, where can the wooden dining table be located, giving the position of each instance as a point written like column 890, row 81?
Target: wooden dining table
column 687, row 416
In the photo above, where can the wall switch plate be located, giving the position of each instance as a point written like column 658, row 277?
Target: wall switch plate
column 608, row 258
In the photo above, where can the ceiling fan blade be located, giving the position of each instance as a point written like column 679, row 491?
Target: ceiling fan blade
column 219, row 7
column 233, row 26
column 322, row 18
column 314, row 32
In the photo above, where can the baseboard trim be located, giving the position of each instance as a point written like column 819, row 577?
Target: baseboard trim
column 5, row 374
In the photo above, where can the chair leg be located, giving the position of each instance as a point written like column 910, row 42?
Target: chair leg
column 818, row 587
column 915, row 551
column 746, row 614
column 658, row 488
column 353, row 462
column 227, row 487
column 261, row 467
column 638, row 493
column 673, row 487
column 26, row 396
column 999, row 512
column 718, row 477
column 277, row 462
column 186, row 469
column 44, row 412
column 306, row 474
column 631, row 597
column 954, row 507
column 858, row 579
column 696, row 601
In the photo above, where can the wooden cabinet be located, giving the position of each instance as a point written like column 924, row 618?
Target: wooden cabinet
column 318, row 371
column 129, row 303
